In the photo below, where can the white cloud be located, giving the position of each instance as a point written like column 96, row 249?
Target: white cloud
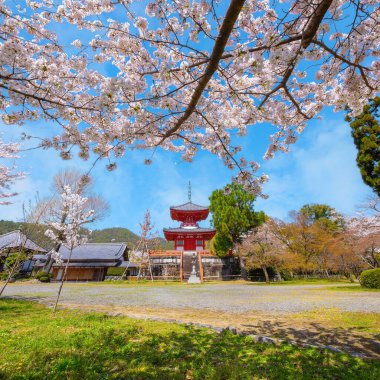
column 321, row 168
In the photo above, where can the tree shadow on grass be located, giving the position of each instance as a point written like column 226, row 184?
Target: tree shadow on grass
column 191, row 353
column 345, row 339
column 74, row 345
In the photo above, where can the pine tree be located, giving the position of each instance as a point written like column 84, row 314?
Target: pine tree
column 233, row 216
column 366, row 134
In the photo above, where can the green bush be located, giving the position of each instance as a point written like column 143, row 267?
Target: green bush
column 114, row 271
column 370, row 278
column 44, row 276
column 286, row 275
column 3, row 276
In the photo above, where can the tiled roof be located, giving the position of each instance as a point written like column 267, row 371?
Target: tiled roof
column 189, row 230
column 88, row 264
column 17, row 239
column 95, row 252
column 189, row 206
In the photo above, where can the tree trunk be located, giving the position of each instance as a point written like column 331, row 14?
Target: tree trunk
column 266, row 274
column 62, row 280
column 243, row 270
column 16, row 264
column 278, row 274
column 50, row 261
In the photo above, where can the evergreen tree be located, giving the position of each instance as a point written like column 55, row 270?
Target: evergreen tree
column 325, row 215
column 366, row 134
column 233, row 216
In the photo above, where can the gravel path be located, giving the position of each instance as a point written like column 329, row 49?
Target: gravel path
column 226, row 297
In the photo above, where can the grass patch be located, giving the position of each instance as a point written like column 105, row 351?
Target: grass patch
column 352, row 288
column 321, row 281
column 150, row 283
column 336, row 318
column 75, row 345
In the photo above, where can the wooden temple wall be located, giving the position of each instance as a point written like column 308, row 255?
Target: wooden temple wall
column 79, row 274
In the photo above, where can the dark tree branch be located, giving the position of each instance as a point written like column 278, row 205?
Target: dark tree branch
column 225, row 31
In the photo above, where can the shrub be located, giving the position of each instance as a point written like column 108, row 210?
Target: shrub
column 44, row 276
column 114, row 271
column 286, row 275
column 3, row 276
column 370, row 278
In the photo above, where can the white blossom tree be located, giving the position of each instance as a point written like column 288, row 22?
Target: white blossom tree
column 140, row 254
column 80, row 184
column 67, row 232
column 8, row 175
column 263, row 249
column 186, row 75
column 363, row 233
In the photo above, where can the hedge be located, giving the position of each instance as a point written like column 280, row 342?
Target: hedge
column 115, row 271
column 370, row 278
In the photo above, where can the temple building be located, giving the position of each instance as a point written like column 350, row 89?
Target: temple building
column 190, row 248
column 189, row 236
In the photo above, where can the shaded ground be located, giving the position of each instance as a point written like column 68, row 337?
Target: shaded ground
column 72, row 345
column 314, row 314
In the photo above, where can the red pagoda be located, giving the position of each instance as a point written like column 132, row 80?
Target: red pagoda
column 189, row 256
column 189, row 236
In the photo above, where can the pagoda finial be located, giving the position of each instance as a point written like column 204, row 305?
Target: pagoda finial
column 189, row 192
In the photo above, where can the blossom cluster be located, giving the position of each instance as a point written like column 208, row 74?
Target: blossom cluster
column 73, row 214
column 7, row 172
column 364, row 225
column 173, row 84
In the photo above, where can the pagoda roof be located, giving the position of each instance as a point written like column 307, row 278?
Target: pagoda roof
column 182, row 230
column 189, row 206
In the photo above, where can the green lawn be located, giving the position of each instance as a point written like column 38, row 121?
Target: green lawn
column 352, row 288
column 74, row 345
column 147, row 282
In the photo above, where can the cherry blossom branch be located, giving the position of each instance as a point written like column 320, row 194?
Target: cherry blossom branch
column 217, row 52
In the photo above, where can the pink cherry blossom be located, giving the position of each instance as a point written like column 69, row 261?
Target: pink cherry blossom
column 8, row 175
column 186, row 75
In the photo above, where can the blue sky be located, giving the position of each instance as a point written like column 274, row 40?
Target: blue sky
column 320, row 168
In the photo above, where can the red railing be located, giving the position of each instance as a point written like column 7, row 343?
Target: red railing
column 156, row 252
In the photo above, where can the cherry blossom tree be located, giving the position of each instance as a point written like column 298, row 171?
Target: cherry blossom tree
column 140, row 254
column 80, row 184
column 67, row 232
column 262, row 248
column 363, row 234
column 185, row 75
column 8, row 175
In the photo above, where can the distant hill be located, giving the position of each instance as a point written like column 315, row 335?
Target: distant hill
column 107, row 235
column 119, row 234
column 116, row 234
